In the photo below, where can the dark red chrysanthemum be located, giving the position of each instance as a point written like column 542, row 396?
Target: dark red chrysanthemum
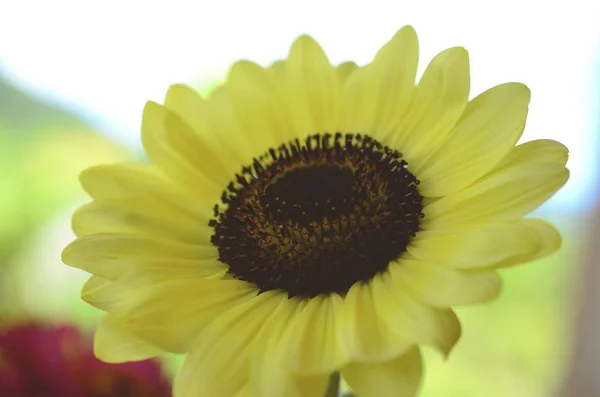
column 49, row 361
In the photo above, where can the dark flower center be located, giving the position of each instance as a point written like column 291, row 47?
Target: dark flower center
column 316, row 216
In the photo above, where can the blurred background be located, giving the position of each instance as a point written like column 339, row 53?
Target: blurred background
column 74, row 76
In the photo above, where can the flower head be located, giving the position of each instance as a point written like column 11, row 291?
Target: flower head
column 306, row 218
column 43, row 360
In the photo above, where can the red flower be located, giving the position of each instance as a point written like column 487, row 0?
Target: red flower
column 47, row 361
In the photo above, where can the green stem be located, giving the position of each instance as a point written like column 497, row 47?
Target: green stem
column 333, row 388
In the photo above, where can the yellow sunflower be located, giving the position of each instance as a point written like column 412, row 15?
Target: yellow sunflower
column 306, row 220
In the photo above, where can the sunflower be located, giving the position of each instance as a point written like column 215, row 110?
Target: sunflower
column 306, row 220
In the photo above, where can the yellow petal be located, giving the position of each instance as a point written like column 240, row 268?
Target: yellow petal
column 522, row 184
column 219, row 362
column 310, row 344
column 267, row 376
column 114, row 343
column 198, row 115
column 142, row 215
column 199, row 150
column 180, row 153
column 127, row 194
column 180, row 268
column 438, row 102
column 289, row 385
column 100, row 292
column 344, row 71
column 110, row 255
column 311, row 88
column 191, row 108
column 542, row 151
column 364, row 334
column 400, row 377
column 156, row 144
column 257, row 101
column 490, row 246
column 170, row 313
column 444, row 287
column 123, row 180
column 245, row 391
column 376, row 96
column 225, row 130
column 488, row 129
column 277, row 68
column 412, row 320
column 105, row 294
